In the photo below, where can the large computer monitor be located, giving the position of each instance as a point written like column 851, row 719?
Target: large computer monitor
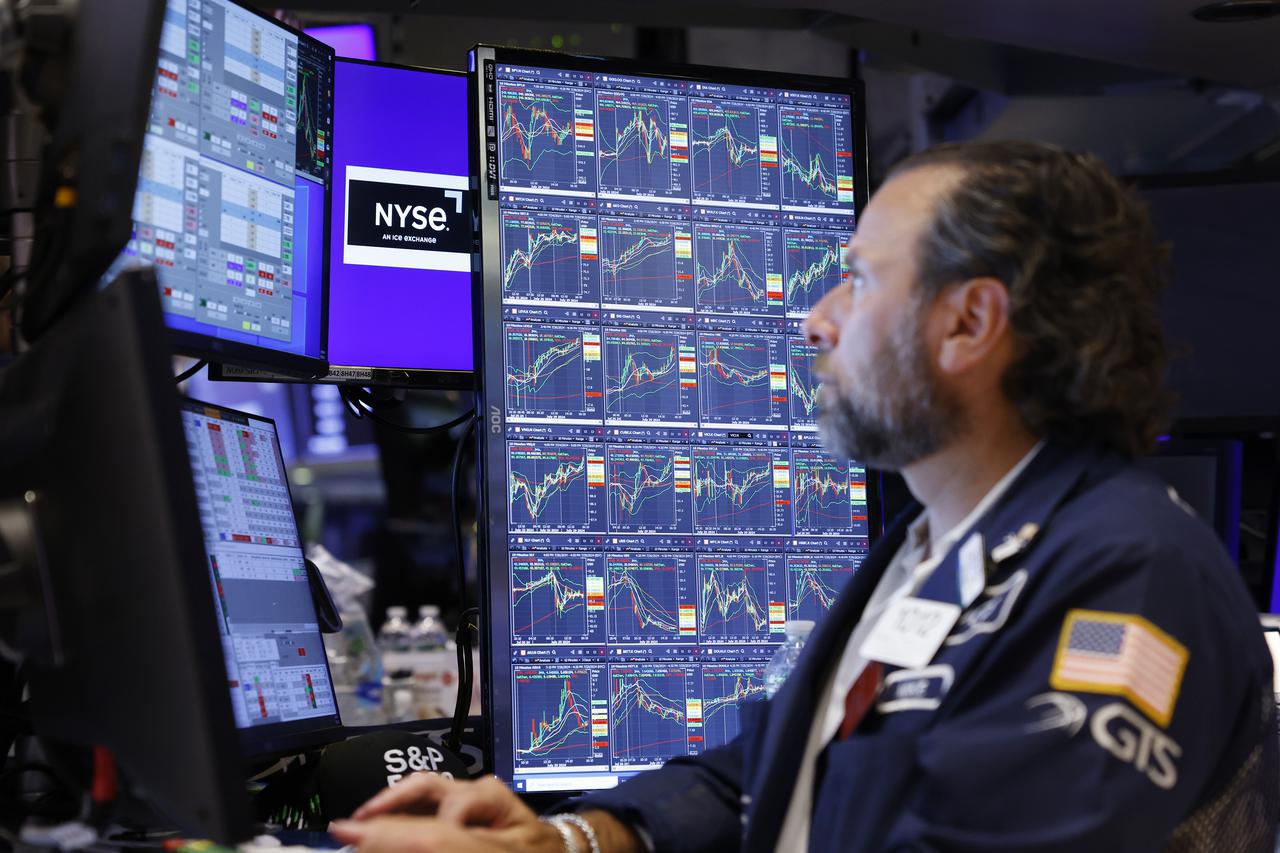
column 231, row 200
column 656, row 501
column 278, row 676
column 120, row 641
column 399, row 281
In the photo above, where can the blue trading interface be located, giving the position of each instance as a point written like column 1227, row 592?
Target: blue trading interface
column 669, row 507
column 231, row 195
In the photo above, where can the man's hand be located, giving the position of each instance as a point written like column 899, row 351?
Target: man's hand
column 405, row 834
column 427, row 812
column 485, row 802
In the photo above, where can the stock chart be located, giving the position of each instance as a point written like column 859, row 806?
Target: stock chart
column 724, row 688
column 739, row 269
column 741, row 597
column 734, row 151
column 814, row 266
column 557, row 598
column 649, row 708
column 828, row 496
column 554, row 486
column 651, row 597
column 802, row 384
column 554, row 371
column 816, row 165
column 648, row 488
column 740, row 490
column 660, row 242
column 742, row 379
column 550, row 257
column 649, row 375
column 643, row 144
column 645, row 262
column 561, row 716
column 539, row 144
column 813, row 582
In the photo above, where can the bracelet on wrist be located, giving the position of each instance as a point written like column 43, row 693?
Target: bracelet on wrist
column 562, row 826
column 586, row 828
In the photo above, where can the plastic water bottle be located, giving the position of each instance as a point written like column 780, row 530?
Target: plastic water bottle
column 429, row 634
column 394, row 635
column 356, row 664
column 784, row 659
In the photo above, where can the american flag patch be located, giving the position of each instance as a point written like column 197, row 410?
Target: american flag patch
column 1120, row 654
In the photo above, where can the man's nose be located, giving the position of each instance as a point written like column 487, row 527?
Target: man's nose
column 821, row 328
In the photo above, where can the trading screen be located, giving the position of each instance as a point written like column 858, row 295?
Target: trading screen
column 403, row 145
column 667, row 505
column 277, row 672
column 231, row 196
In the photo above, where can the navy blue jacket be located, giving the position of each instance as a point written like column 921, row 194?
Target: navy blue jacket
column 999, row 744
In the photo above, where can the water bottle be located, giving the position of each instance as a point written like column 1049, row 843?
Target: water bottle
column 393, row 636
column 429, row 634
column 356, row 664
column 784, row 659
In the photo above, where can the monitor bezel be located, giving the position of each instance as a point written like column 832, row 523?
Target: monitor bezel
column 278, row 738
column 487, row 311
column 215, row 349
column 353, row 374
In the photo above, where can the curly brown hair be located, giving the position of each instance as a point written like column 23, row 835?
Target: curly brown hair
column 1078, row 253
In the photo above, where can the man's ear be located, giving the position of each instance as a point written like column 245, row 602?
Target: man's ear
column 974, row 321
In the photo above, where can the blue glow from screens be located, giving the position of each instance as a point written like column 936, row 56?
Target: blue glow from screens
column 353, row 41
column 231, row 194
column 403, row 140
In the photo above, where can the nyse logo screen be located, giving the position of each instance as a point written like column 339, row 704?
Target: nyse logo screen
column 415, row 220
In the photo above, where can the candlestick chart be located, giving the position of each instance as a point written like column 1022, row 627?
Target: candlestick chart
column 737, row 269
column 553, row 370
column 645, row 374
column 549, row 486
column 557, row 598
column 814, row 582
column 555, row 712
column 648, row 489
column 724, row 688
column 650, row 597
column 648, row 710
column 739, row 490
column 814, row 266
column 537, row 134
column 730, row 158
column 735, row 594
column 742, row 379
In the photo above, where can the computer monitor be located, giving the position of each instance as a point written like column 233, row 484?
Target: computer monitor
column 399, row 272
column 231, row 200
column 121, row 648
column 657, row 505
column 278, row 676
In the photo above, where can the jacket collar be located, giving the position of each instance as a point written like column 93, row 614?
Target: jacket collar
column 1007, row 528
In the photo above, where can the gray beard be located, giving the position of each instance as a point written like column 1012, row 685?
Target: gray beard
column 893, row 417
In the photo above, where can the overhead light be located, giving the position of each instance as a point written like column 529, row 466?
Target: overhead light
column 1236, row 11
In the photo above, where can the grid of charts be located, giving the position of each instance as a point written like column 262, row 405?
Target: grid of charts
column 669, row 506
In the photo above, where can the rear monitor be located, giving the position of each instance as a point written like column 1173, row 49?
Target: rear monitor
column 281, row 692
column 351, row 41
column 657, row 503
column 231, row 200
column 402, row 227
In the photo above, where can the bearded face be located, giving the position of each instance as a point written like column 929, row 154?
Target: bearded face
column 890, row 412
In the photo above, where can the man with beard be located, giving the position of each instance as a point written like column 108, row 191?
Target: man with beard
column 1047, row 652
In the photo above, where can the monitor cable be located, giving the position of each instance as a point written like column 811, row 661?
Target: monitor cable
column 469, row 616
column 190, row 371
column 360, row 403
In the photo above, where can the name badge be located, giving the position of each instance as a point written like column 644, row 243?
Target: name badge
column 910, row 632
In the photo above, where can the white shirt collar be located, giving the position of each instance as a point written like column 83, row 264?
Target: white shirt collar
column 918, row 532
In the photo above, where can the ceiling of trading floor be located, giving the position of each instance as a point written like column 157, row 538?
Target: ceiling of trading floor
column 1156, row 35
column 1140, row 82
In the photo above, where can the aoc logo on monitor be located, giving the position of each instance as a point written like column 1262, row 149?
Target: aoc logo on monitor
column 416, row 220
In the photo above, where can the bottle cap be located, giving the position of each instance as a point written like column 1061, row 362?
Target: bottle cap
column 397, row 612
column 799, row 627
column 429, row 610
